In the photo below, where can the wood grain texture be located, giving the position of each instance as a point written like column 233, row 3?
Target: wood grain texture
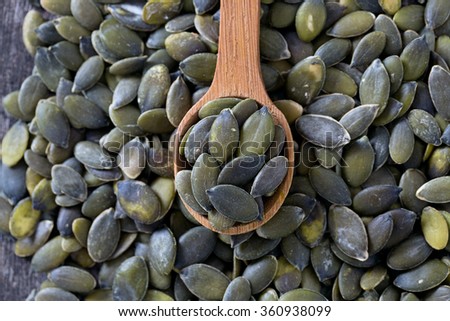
column 238, row 74
column 16, row 277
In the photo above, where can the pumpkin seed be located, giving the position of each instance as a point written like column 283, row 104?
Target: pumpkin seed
column 131, row 280
column 409, row 254
column 435, row 191
column 238, row 290
column 424, row 277
column 197, row 275
column 103, row 236
column 434, row 228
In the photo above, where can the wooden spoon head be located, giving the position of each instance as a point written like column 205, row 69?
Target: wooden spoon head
column 271, row 204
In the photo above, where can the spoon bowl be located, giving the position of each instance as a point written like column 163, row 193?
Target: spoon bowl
column 238, row 74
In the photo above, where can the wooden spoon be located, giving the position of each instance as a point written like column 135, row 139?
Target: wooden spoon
column 238, row 74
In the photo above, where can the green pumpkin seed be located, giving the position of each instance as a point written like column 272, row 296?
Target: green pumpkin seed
column 435, row 191
column 14, row 144
column 13, row 183
column 182, row 45
column 120, row 41
column 132, row 158
column 424, row 126
column 155, row 295
column 376, row 199
column 224, row 136
column 125, row 91
column 392, row 110
column 55, row 294
column 233, row 202
column 406, row 95
column 155, row 121
column 353, row 24
column 410, row 182
column 436, row 13
column 11, row 105
column 305, row 80
column 273, row 46
column 375, row 85
column 358, row 120
column 270, row 176
column 359, row 158
column 409, row 254
column 215, row 106
column 67, row 54
column 131, row 280
column 32, row 20
column 330, row 186
column 349, row 279
column 204, row 176
column 184, row 188
column 261, row 273
column 49, row 256
column 286, row 221
column 23, row 219
column 379, row 230
column 49, row 68
column 334, row 51
column 157, row 12
column 438, row 77
column 72, row 279
column 70, row 182
column 162, row 250
column 410, row 17
column 434, row 228
column 295, row 252
column 333, row 105
column 199, row 68
column 401, row 143
column 29, row 245
column 197, row 140
column 288, row 277
column 103, row 236
column 386, row 25
column 203, row 6
column 70, row 29
column 368, row 49
column 238, row 290
column 254, row 247
column 338, row 81
column 31, row 92
column 257, row 133
column 42, row 197
column 394, row 68
column 348, row 232
column 302, row 295
column 290, row 109
column 241, row 170
column 196, row 275
column 419, row 51
column 80, row 228
column 312, row 229
column 88, row 74
column 323, row 131
column 87, row 13
column 194, row 246
column 139, row 201
column 424, row 277
column 324, row 262
column 310, row 19
column 403, row 225
column 178, row 101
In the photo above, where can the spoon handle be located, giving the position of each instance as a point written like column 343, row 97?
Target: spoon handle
column 238, row 71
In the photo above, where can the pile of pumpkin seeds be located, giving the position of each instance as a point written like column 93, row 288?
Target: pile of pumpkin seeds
column 234, row 150
column 87, row 170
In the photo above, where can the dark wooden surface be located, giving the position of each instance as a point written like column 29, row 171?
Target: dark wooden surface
column 16, row 277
